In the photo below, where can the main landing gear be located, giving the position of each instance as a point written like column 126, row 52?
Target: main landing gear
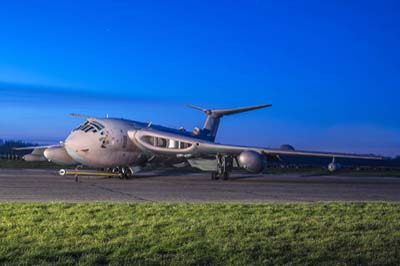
column 124, row 172
column 224, row 167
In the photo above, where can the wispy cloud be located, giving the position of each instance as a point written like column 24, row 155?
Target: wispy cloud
column 18, row 93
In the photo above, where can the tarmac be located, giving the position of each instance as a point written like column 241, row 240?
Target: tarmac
column 38, row 185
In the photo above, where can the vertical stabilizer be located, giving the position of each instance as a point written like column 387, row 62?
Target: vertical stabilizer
column 214, row 116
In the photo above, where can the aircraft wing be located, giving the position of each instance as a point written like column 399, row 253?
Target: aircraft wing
column 37, row 150
column 196, row 148
column 214, row 148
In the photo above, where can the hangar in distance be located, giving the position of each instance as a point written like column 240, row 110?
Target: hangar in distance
column 125, row 147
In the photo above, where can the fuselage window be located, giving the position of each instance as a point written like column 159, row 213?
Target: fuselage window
column 161, row 142
column 184, row 145
column 166, row 143
column 173, row 144
column 149, row 140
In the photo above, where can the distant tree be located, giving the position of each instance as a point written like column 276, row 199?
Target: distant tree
column 6, row 146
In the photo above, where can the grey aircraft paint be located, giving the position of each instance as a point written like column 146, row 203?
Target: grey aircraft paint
column 122, row 145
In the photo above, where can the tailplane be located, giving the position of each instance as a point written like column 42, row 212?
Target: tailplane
column 214, row 116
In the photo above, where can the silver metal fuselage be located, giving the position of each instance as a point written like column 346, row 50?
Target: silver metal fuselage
column 127, row 146
column 115, row 144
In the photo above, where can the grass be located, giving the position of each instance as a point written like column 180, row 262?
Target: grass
column 199, row 234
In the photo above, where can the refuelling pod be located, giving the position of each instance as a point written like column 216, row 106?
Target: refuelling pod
column 333, row 167
column 252, row 161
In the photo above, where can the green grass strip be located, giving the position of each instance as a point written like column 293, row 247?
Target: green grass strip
column 199, row 234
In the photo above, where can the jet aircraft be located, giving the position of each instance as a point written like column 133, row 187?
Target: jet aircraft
column 125, row 147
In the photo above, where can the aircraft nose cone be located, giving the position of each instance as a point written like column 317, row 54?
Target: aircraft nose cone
column 73, row 142
column 77, row 145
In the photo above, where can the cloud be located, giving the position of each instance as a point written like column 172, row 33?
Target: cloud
column 19, row 93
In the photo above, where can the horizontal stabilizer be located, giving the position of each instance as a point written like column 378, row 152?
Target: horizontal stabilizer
column 231, row 111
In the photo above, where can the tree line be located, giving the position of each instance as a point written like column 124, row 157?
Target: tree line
column 6, row 146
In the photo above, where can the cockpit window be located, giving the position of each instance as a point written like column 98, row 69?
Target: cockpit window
column 97, row 125
column 85, row 127
column 82, row 126
column 88, row 129
column 92, row 126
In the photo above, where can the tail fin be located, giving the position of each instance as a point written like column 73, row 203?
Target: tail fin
column 210, row 127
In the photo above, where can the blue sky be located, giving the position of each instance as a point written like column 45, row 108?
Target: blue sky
column 331, row 68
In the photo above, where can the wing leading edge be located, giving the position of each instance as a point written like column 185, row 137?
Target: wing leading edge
column 37, row 150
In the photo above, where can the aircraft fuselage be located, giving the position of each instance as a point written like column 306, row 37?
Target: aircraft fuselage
column 106, row 143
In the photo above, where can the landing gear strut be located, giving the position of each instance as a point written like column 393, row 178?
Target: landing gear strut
column 224, row 167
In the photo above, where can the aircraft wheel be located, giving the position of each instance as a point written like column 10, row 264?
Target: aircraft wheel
column 126, row 172
column 115, row 170
column 118, row 171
